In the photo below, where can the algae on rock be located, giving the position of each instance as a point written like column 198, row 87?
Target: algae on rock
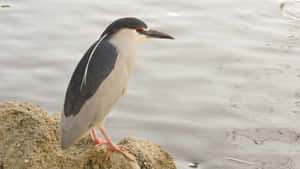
column 29, row 139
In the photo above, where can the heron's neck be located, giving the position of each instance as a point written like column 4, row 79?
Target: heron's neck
column 126, row 44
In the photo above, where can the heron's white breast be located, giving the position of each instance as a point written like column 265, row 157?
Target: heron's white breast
column 126, row 42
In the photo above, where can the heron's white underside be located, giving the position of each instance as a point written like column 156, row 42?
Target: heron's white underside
column 95, row 110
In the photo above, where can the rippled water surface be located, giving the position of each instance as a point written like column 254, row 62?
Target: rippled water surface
column 224, row 94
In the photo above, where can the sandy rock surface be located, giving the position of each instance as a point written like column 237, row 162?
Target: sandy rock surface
column 29, row 138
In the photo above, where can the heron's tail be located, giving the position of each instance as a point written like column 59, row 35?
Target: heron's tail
column 65, row 141
column 70, row 132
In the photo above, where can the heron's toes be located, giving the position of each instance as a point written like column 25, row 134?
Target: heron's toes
column 121, row 147
column 100, row 143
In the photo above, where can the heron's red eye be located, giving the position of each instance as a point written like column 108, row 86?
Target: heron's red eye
column 139, row 29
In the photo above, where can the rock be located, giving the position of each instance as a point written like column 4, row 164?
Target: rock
column 29, row 139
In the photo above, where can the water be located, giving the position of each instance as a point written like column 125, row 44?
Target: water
column 224, row 94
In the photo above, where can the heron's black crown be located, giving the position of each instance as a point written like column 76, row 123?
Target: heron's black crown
column 128, row 22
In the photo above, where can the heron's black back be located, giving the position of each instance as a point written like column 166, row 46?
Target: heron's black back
column 100, row 66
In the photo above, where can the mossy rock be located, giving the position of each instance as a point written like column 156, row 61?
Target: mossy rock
column 29, row 139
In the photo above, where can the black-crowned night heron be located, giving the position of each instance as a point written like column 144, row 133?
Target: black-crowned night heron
column 100, row 79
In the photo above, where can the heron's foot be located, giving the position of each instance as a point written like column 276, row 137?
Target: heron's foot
column 100, row 142
column 117, row 148
column 112, row 147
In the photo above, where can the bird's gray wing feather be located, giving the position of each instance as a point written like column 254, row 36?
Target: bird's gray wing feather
column 75, row 122
column 101, row 64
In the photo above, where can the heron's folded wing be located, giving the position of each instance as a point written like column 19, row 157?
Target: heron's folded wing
column 100, row 66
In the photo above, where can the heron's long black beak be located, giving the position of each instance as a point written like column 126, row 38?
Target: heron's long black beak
column 156, row 34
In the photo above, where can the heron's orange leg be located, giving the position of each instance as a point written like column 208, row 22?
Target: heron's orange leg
column 112, row 146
